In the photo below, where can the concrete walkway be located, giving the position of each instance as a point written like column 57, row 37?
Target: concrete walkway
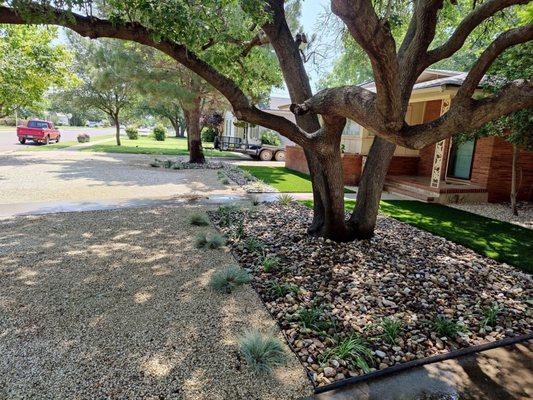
column 503, row 373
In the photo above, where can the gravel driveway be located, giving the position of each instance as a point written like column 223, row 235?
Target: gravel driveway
column 116, row 304
column 79, row 176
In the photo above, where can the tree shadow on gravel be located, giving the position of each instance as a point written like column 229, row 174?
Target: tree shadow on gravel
column 116, row 304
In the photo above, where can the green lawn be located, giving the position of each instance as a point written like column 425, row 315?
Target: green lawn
column 283, row 179
column 499, row 240
column 147, row 145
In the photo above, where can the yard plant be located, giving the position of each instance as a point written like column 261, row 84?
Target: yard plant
column 227, row 279
column 262, row 352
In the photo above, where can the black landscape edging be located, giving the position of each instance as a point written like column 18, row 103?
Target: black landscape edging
column 423, row 361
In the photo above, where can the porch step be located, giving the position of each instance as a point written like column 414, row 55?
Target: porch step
column 411, row 191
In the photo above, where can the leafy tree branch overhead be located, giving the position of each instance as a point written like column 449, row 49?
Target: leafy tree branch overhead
column 400, row 39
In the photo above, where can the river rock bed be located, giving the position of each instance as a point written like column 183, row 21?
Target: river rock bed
column 350, row 308
column 246, row 180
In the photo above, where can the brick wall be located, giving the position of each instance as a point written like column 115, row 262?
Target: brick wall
column 351, row 164
column 402, row 165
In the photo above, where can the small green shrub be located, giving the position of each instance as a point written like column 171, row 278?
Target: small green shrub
column 160, row 133
column 270, row 138
column 285, row 199
column 227, row 279
column 132, row 132
column 224, row 181
column 247, row 175
column 490, row 315
column 200, row 240
column 252, row 244
column 239, row 232
column 225, row 214
column 277, row 289
column 208, row 134
column 447, row 327
column 310, row 318
column 391, row 329
column 270, row 263
column 215, row 242
column 199, row 220
column 353, row 349
column 262, row 352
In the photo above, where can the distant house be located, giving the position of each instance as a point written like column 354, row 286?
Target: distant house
column 477, row 170
column 234, row 128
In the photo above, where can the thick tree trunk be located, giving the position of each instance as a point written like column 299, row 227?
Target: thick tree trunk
column 363, row 219
column 514, row 177
column 176, row 127
column 194, row 138
column 117, row 129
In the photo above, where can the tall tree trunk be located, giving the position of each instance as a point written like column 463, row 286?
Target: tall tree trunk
column 117, row 129
column 176, row 127
column 514, row 177
column 363, row 219
column 299, row 87
column 194, row 138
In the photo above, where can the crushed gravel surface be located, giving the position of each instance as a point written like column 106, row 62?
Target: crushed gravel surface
column 79, row 176
column 442, row 295
column 501, row 212
column 116, row 305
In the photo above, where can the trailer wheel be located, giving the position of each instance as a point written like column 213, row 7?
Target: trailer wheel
column 46, row 140
column 279, row 156
column 266, row 155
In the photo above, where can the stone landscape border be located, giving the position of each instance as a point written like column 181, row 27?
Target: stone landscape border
column 421, row 362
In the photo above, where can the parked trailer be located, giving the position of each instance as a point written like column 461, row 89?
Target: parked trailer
column 261, row 152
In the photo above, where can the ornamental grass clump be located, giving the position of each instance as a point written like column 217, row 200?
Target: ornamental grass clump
column 199, row 220
column 490, row 315
column 229, row 278
column 270, row 264
column 200, row 240
column 262, row 352
column 285, row 199
column 215, row 242
column 391, row 329
column 353, row 349
column 447, row 327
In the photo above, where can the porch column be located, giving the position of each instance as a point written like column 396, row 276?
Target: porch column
column 438, row 158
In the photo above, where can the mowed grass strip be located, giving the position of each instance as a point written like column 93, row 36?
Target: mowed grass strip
column 283, row 179
column 499, row 240
column 171, row 146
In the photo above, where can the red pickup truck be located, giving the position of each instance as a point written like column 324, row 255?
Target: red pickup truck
column 38, row 131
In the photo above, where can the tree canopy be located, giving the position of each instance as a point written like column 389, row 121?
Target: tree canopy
column 30, row 65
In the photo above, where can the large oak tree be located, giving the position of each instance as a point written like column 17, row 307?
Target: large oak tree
column 186, row 31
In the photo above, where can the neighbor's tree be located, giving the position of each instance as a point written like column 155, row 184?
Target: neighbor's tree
column 106, row 84
column 189, row 31
column 30, row 64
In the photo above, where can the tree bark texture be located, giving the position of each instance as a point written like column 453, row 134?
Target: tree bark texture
column 194, row 138
column 117, row 129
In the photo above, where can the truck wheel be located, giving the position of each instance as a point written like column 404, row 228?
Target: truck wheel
column 58, row 139
column 22, row 141
column 279, row 156
column 266, row 155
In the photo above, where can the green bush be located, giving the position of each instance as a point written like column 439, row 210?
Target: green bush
column 208, row 134
column 160, row 133
column 447, row 327
column 270, row 138
column 285, row 199
column 391, row 329
column 262, row 352
column 270, row 263
column 199, row 220
column 228, row 279
column 132, row 132
column 353, row 349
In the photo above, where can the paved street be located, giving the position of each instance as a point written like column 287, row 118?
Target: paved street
column 9, row 141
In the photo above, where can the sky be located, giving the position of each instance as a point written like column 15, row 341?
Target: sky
column 312, row 11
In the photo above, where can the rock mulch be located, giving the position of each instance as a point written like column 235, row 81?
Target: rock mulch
column 117, row 305
column 339, row 303
column 247, row 181
column 502, row 212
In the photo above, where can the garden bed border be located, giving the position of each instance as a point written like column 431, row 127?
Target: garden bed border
column 423, row 361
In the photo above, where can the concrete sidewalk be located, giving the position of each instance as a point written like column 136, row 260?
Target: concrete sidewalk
column 504, row 373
